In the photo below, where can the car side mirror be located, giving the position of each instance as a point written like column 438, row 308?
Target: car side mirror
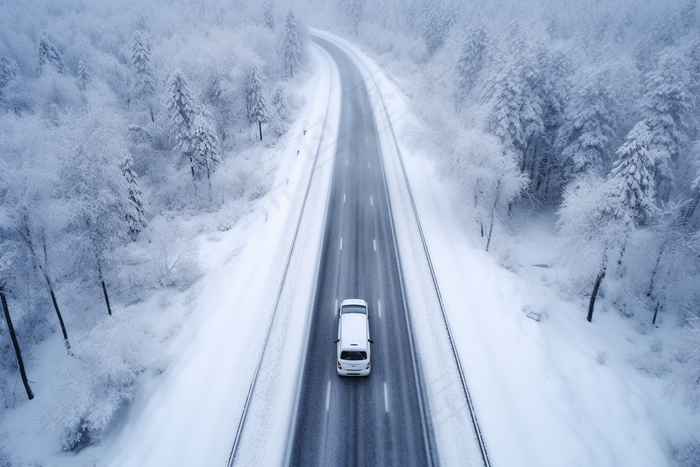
column 370, row 341
column 336, row 341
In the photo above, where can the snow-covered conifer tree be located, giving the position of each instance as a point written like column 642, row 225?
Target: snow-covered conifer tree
column 256, row 104
column 354, row 10
column 135, row 216
column 8, row 71
column 49, row 54
column 437, row 25
column 633, row 176
column 517, row 111
column 83, row 76
column 667, row 101
column 471, row 61
column 280, row 103
column 141, row 61
column 204, row 149
column 292, row 46
column 269, row 14
column 181, row 112
column 588, row 128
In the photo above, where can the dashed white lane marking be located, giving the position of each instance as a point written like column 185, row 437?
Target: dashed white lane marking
column 346, row 162
column 369, row 166
column 371, row 201
column 386, row 397
column 343, row 197
column 379, row 308
column 335, row 310
column 328, row 396
column 341, row 243
column 374, row 242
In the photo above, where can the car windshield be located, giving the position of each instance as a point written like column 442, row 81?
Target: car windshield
column 354, row 309
column 353, row 355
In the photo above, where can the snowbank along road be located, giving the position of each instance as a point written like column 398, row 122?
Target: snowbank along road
column 381, row 419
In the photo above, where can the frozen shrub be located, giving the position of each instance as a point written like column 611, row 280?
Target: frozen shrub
column 95, row 383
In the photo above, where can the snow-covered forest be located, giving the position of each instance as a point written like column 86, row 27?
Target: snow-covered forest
column 127, row 129
column 584, row 115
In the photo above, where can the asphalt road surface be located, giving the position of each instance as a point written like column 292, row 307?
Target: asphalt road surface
column 358, row 421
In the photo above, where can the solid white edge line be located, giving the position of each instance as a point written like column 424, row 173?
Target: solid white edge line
column 386, row 397
column 328, row 395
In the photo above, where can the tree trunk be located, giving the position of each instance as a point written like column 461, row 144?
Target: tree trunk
column 650, row 291
column 6, row 310
column 656, row 312
column 691, row 209
column 493, row 214
column 598, row 280
column 60, row 318
column 25, row 234
column 260, row 128
column 104, row 290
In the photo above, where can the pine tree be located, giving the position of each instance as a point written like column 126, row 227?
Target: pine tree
column 280, row 103
column 255, row 100
column 83, row 76
column 517, row 110
column 292, row 47
column 269, row 14
column 667, row 102
column 141, row 61
column 135, row 215
column 8, row 71
column 471, row 61
column 49, row 54
column 588, row 128
column 181, row 112
column 633, row 176
column 436, row 27
column 204, row 149
column 355, row 11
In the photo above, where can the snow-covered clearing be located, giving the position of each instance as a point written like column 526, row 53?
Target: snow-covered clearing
column 554, row 392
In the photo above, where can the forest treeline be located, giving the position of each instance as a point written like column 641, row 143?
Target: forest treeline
column 126, row 130
column 587, row 109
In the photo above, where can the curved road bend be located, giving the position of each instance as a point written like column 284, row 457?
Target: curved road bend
column 374, row 421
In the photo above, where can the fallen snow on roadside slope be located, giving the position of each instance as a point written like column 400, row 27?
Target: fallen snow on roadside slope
column 190, row 416
column 554, row 392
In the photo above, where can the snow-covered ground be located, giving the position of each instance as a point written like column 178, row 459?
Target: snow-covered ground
column 555, row 392
column 188, row 415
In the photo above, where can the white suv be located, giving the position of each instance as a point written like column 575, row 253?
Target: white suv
column 353, row 343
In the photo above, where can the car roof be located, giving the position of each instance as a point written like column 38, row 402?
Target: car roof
column 354, row 301
column 354, row 332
